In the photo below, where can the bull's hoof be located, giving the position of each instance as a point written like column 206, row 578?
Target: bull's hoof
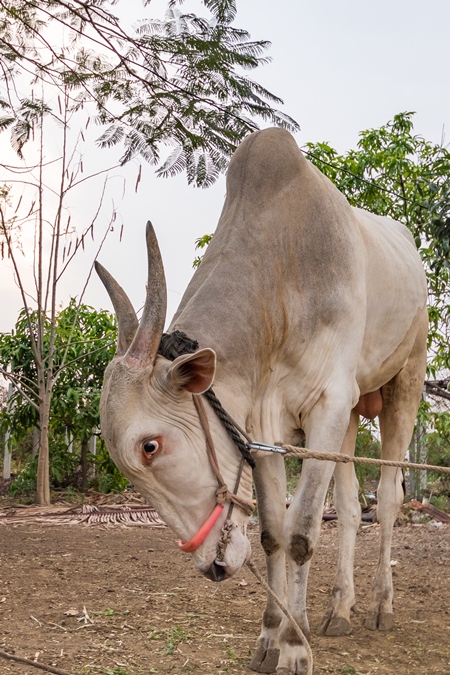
column 301, row 667
column 379, row 621
column 335, row 627
column 264, row 660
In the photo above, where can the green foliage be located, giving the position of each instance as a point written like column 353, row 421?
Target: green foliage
column 441, row 501
column 110, row 481
column 24, row 484
column 174, row 82
column 367, row 446
column 394, row 172
column 88, row 336
column 293, row 467
column 63, row 466
column 438, row 446
column 202, row 242
column 85, row 343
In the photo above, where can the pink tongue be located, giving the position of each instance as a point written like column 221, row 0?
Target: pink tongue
column 197, row 539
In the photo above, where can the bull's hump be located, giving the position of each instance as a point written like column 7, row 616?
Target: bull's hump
column 264, row 163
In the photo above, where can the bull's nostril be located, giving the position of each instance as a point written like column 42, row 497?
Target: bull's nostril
column 216, row 572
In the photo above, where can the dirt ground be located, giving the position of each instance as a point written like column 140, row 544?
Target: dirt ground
column 125, row 601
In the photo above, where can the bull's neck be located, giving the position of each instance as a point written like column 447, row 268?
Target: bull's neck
column 245, row 381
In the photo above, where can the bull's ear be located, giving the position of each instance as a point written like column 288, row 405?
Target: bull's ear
column 193, row 372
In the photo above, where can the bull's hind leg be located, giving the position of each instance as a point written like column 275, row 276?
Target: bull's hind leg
column 337, row 618
column 401, row 397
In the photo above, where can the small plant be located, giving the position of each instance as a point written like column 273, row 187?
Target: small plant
column 174, row 637
column 25, row 483
column 115, row 612
column 440, row 501
column 230, row 653
column 348, row 670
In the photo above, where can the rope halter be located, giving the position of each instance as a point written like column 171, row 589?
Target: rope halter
column 176, row 344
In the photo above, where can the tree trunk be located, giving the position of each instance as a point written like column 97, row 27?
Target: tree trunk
column 7, row 454
column 7, row 457
column 84, row 464
column 93, row 451
column 34, row 442
column 43, row 472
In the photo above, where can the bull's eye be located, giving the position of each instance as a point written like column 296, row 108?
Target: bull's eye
column 151, row 448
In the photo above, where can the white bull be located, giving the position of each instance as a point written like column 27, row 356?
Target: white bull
column 307, row 312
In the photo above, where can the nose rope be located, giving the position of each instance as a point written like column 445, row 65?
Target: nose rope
column 223, row 494
column 171, row 346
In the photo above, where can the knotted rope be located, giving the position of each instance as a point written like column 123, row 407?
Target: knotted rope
column 304, row 453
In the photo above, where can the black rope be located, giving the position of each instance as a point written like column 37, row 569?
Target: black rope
column 178, row 343
column 229, row 426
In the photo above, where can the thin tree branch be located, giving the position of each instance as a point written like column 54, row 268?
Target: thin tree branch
column 56, row 374
column 18, row 385
column 21, row 286
column 83, row 356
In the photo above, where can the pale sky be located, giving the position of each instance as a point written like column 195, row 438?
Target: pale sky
column 340, row 67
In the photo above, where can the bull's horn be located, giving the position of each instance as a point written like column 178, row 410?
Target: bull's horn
column 126, row 316
column 144, row 347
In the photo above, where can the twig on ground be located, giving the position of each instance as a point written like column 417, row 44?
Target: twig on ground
column 40, row 666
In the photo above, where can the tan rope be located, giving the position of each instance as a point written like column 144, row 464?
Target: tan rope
column 222, row 493
column 286, row 612
column 304, row 453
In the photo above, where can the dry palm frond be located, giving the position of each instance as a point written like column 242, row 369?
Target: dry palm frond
column 122, row 515
column 87, row 514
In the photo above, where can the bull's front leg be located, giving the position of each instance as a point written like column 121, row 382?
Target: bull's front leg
column 325, row 430
column 270, row 482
